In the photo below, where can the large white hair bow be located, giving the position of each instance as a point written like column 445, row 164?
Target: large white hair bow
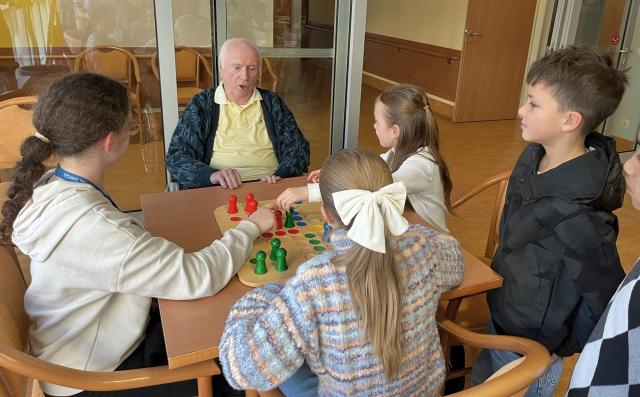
column 372, row 210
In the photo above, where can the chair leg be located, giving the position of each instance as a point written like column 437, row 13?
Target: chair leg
column 205, row 387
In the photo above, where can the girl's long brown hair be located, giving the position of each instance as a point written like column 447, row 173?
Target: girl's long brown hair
column 74, row 113
column 407, row 106
column 374, row 283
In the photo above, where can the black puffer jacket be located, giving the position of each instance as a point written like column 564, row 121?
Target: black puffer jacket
column 557, row 249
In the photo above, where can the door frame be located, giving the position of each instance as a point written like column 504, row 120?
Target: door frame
column 347, row 61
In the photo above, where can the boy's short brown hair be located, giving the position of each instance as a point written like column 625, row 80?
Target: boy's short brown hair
column 583, row 80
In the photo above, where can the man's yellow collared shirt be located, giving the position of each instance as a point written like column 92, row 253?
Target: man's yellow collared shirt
column 242, row 141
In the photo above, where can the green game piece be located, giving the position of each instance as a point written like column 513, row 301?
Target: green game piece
column 252, row 261
column 281, row 261
column 261, row 264
column 314, row 242
column 288, row 223
column 275, row 244
column 309, row 235
column 318, row 248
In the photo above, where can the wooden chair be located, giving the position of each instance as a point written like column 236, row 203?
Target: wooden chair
column 512, row 379
column 120, row 65
column 501, row 179
column 188, row 72
column 473, row 312
column 15, row 126
column 19, row 370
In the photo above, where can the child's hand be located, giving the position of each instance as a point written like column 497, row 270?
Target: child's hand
column 314, row 176
column 270, row 179
column 286, row 199
column 264, row 218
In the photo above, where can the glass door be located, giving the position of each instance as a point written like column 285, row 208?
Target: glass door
column 41, row 40
column 305, row 50
column 624, row 124
column 612, row 28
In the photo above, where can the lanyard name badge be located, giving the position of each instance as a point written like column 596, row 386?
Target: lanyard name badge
column 71, row 177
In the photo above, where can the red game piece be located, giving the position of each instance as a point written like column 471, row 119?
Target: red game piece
column 233, row 204
column 278, row 215
column 247, row 199
column 252, row 206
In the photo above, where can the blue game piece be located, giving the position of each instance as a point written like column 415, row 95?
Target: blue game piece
column 302, row 224
column 326, row 232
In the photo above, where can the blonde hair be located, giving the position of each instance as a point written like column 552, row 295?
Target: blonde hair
column 407, row 107
column 374, row 283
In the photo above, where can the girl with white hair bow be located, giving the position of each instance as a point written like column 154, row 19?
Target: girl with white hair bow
column 358, row 320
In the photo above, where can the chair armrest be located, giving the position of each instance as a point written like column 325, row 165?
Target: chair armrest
column 29, row 366
column 536, row 361
column 480, row 188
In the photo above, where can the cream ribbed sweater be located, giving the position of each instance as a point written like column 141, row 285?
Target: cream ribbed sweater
column 421, row 176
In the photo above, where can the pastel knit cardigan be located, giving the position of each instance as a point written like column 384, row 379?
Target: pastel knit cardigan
column 272, row 330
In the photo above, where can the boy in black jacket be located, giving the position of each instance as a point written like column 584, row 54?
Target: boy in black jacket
column 557, row 250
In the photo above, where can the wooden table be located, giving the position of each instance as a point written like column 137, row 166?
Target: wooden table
column 192, row 329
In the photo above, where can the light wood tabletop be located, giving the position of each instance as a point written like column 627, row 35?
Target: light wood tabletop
column 192, row 329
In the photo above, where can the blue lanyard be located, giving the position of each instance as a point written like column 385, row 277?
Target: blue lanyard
column 71, row 177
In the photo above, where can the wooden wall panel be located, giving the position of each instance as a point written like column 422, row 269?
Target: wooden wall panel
column 432, row 67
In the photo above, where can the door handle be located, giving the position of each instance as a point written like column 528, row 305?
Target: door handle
column 470, row 33
column 625, row 50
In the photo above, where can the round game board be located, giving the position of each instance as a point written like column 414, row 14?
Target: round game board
column 303, row 241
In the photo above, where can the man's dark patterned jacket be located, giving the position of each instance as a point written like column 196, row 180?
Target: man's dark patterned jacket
column 191, row 145
column 557, row 249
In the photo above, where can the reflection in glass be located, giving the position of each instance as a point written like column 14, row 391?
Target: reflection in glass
column 41, row 40
column 303, row 83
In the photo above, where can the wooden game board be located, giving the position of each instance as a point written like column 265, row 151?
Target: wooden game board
column 302, row 242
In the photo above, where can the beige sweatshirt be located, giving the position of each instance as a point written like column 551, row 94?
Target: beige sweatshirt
column 95, row 269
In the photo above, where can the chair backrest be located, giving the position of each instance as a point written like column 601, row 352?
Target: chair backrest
column 111, row 61
column 502, row 180
column 188, row 63
column 14, row 322
column 15, row 126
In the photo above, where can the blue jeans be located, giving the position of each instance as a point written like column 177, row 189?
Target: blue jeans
column 489, row 361
column 304, row 383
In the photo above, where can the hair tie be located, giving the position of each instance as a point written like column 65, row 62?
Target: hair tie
column 427, row 107
column 41, row 137
column 372, row 211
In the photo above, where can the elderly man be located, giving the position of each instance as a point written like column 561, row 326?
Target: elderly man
column 236, row 132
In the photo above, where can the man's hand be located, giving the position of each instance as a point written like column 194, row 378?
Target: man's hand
column 229, row 178
column 270, row 179
column 314, row 176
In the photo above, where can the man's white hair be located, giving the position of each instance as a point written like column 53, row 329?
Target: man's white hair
column 229, row 42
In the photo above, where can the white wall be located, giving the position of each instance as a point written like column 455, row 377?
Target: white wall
column 435, row 22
